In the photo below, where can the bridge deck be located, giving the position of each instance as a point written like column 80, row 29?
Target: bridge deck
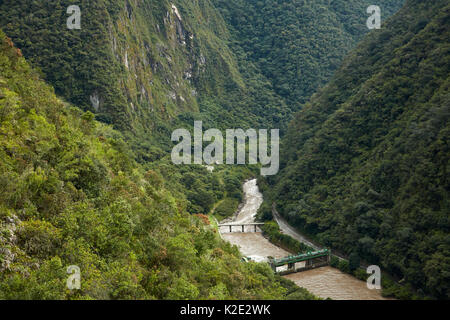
column 241, row 224
column 312, row 260
column 300, row 257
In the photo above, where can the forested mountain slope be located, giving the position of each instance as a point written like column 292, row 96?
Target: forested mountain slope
column 71, row 194
column 298, row 44
column 144, row 66
column 365, row 165
column 148, row 66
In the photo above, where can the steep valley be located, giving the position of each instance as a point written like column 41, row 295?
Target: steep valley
column 86, row 123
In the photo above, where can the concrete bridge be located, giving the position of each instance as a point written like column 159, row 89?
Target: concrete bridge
column 242, row 225
column 312, row 260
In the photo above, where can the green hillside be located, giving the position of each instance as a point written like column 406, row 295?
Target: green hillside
column 149, row 66
column 298, row 44
column 144, row 66
column 365, row 163
column 71, row 194
column 86, row 118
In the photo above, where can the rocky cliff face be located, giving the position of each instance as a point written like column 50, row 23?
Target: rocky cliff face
column 159, row 60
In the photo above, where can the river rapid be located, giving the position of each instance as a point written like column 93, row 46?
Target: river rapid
column 325, row 282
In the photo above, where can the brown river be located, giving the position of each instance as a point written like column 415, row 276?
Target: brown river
column 325, row 282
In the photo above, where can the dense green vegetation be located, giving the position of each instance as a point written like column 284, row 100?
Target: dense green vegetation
column 365, row 162
column 297, row 44
column 151, row 67
column 151, row 71
column 72, row 194
column 272, row 231
column 226, row 208
column 204, row 190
